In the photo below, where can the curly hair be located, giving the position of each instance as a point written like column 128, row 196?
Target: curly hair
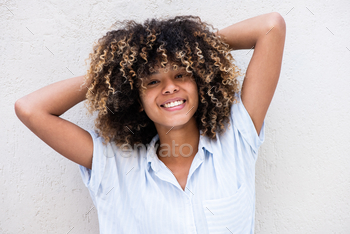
column 123, row 58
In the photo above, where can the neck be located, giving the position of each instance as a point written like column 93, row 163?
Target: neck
column 179, row 145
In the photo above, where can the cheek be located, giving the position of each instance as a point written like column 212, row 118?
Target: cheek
column 148, row 102
column 194, row 91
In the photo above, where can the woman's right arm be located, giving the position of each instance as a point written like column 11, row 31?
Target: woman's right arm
column 40, row 112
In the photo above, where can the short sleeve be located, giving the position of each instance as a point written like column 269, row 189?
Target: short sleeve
column 243, row 122
column 92, row 178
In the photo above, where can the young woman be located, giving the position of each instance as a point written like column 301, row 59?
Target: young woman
column 176, row 137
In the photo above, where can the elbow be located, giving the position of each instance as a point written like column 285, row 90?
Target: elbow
column 20, row 109
column 277, row 21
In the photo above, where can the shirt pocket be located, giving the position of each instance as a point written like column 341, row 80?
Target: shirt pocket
column 231, row 214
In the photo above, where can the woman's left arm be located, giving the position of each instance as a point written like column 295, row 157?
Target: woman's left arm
column 266, row 33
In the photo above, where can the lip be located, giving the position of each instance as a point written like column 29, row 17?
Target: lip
column 172, row 100
column 175, row 107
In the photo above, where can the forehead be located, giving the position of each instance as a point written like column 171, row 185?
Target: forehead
column 169, row 67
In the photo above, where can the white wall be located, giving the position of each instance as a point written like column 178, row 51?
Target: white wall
column 303, row 170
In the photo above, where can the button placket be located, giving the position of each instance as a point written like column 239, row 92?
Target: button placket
column 192, row 224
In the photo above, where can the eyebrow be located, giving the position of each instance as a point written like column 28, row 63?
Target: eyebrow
column 178, row 70
column 155, row 72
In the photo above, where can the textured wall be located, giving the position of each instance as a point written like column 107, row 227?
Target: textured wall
column 303, row 170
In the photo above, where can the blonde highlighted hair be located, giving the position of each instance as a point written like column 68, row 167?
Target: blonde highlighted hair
column 123, row 58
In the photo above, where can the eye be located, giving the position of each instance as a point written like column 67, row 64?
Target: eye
column 151, row 83
column 177, row 76
column 181, row 75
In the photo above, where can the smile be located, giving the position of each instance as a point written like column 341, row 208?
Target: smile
column 178, row 105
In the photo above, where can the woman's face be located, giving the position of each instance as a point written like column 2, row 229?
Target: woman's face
column 163, row 86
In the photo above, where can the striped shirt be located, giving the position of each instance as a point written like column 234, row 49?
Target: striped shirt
column 136, row 192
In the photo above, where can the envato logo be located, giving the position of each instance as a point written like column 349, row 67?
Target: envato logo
column 127, row 151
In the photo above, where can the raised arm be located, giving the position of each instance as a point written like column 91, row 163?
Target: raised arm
column 266, row 33
column 40, row 112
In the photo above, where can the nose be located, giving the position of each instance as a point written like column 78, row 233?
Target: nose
column 170, row 87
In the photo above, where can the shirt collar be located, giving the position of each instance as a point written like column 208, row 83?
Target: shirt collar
column 153, row 160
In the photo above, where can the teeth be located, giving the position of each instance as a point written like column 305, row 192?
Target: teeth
column 172, row 104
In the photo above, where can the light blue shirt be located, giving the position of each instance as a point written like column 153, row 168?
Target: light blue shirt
column 137, row 193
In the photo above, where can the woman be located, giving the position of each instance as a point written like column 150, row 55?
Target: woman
column 177, row 137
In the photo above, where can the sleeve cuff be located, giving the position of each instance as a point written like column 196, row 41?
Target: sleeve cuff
column 243, row 122
column 92, row 178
